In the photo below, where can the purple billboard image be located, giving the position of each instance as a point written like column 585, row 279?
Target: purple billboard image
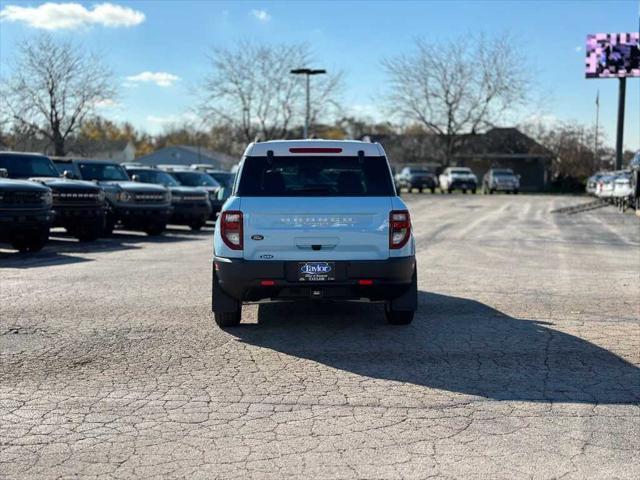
column 613, row 55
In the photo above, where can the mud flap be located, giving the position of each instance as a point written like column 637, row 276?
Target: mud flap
column 220, row 301
column 408, row 301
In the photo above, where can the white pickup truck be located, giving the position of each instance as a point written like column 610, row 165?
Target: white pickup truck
column 458, row 178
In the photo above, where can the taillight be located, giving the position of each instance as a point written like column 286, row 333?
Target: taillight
column 231, row 229
column 399, row 228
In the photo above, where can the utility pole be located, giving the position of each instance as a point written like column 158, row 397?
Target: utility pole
column 308, row 72
column 620, row 132
column 595, row 149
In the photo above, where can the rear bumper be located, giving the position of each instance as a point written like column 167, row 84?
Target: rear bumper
column 241, row 280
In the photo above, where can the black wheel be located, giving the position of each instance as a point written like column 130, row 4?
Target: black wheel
column 464, row 191
column 30, row 241
column 155, row 229
column 398, row 317
column 228, row 319
column 515, row 192
column 433, row 190
column 442, row 190
column 473, row 191
column 491, row 190
column 109, row 226
column 196, row 226
column 449, row 190
column 89, row 233
column 420, row 189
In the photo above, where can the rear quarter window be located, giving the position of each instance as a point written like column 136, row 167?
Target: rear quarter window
column 310, row 176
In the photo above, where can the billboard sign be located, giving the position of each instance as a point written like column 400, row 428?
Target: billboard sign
column 613, row 55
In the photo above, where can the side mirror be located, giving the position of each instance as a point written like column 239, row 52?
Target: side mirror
column 135, row 178
column 4, row 173
column 67, row 174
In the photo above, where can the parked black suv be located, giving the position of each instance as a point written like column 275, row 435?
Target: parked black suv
column 420, row 178
column 190, row 205
column 136, row 206
column 25, row 213
column 78, row 206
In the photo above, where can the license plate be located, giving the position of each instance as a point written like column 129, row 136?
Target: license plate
column 316, row 271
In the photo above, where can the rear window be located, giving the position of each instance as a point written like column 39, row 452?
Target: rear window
column 315, row 176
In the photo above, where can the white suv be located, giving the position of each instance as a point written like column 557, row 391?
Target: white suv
column 314, row 220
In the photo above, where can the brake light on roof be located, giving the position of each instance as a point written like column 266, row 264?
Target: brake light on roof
column 315, row 150
column 399, row 228
column 231, row 229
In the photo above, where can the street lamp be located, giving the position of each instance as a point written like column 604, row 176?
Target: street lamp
column 308, row 72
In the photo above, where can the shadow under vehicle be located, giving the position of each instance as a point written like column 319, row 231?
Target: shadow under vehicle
column 136, row 206
column 25, row 213
column 78, row 207
column 190, row 206
column 455, row 345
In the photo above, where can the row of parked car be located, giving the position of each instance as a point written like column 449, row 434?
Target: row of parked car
column 619, row 187
column 90, row 198
column 456, row 178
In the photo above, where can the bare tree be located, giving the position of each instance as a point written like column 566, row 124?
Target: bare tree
column 250, row 88
column 54, row 86
column 456, row 87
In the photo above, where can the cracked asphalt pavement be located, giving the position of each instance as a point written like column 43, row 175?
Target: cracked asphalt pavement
column 522, row 362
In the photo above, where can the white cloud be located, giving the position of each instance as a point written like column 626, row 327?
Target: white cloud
column 106, row 103
column 261, row 15
column 161, row 79
column 57, row 16
column 578, row 48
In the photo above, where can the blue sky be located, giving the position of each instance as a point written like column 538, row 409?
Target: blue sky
column 173, row 37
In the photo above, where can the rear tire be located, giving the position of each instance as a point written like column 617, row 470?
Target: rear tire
column 196, row 226
column 228, row 319
column 420, row 190
column 398, row 317
column 473, row 191
column 433, row 190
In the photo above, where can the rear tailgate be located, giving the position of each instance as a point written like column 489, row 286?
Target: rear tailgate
column 316, row 228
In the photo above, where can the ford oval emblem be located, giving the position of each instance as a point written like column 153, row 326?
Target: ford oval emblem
column 257, row 237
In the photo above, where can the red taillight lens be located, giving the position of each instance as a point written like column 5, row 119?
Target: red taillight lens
column 231, row 229
column 399, row 228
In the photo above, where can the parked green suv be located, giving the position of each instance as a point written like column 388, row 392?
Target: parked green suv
column 136, row 206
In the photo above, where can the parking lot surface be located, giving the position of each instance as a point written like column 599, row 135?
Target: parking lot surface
column 523, row 360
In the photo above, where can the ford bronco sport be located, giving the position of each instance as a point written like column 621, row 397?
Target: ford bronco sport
column 314, row 220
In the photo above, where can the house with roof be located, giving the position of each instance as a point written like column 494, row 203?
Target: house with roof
column 507, row 148
column 187, row 155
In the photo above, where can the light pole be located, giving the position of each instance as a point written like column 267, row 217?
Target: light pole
column 308, row 72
